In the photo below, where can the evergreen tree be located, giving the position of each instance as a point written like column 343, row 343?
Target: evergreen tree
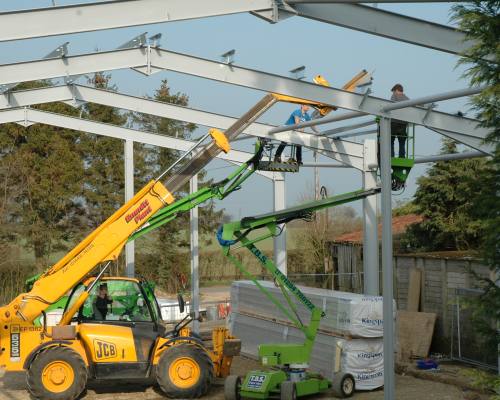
column 104, row 189
column 480, row 20
column 41, row 173
column 444, row 198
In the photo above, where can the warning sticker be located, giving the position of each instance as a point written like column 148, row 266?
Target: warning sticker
column 256, row 381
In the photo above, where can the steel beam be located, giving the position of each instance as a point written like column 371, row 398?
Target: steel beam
column 306, row 164
column 347, row 128
column 387, row 24
column 331, row 96
column 435, row 97
column 316, row 122
column 347, row 152
column 182, row 63
column 115, row 14
column 73, row 65
column 449, row 157
column 292, row 2
column 99, row 128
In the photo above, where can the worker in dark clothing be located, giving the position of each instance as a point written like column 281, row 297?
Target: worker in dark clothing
column 101, row 303
column 298, row 116
column 398, row 128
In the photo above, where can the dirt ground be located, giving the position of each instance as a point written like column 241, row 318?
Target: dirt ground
column 12, row 387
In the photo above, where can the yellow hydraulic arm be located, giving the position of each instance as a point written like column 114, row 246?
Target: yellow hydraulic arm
column 107, row 241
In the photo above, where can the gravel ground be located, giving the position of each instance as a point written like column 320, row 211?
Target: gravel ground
column 12, row 387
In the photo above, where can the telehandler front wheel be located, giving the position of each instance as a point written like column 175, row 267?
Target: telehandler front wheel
column 185, row 371
column 57, row 373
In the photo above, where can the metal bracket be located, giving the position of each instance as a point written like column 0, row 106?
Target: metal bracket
column 228, row 57
column 25, row 122
column 62, row 52
column 6, row 88
column 154, row 41
column 74, row 102
column 365, row 96
column 138, row 41
column 59, row 52
column 298, row 73
column 429, row 108
column 278, row 11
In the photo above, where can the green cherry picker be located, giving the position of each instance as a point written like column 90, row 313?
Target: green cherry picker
column 289, row 377
column 218, row 190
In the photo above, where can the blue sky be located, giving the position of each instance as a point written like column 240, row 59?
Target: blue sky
column 335, row 52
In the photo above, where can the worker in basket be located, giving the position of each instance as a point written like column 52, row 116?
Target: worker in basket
column 296, row 117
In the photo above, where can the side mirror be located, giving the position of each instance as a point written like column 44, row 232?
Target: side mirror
column 182, row 303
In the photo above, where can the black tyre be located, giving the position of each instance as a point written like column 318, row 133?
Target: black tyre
column 185, row 371
column 57, row 373
column 288, row 391
column 232, row 386
column 343, row 385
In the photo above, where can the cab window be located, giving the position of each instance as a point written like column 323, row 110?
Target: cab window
column 117, row 300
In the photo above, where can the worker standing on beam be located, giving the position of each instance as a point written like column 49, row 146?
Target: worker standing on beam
column 398, row 128
column 298, row 116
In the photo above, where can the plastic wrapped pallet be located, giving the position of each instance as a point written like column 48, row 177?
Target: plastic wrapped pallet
column 347, row 314
column 363, row 358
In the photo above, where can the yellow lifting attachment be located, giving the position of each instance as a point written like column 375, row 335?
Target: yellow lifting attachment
column 220, row 140
column 359, row 79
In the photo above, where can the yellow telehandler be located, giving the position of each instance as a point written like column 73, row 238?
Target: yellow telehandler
column 128, row 341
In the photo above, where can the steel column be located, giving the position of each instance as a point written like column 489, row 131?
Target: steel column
column 279, row 242
column 195, row 262
column 129, row 193
column 387, row 270
column 371, row 273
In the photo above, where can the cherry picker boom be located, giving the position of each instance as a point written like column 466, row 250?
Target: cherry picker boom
column 291, row 379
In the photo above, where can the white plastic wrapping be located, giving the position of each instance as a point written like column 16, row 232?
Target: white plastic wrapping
column 348, row 314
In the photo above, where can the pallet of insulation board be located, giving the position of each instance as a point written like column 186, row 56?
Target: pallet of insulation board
column 347, row 314
column 363, row 358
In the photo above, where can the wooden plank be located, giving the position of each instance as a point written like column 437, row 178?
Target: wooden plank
column 413, row 303
column 415, row 331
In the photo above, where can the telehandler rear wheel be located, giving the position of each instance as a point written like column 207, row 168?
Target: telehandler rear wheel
column 185, row 371
column 57, row 373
